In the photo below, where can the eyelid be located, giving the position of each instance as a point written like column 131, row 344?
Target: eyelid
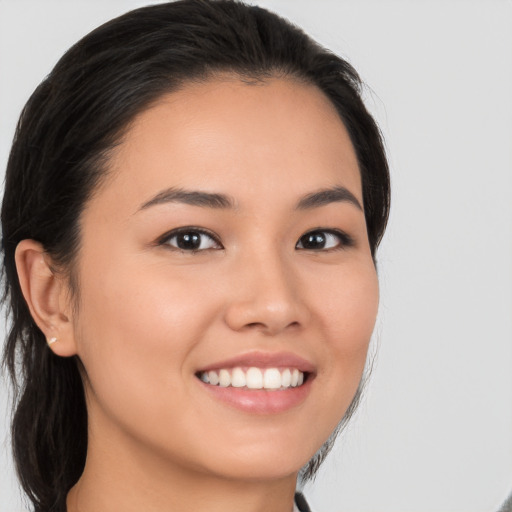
column 162, row 240
column 345, row 240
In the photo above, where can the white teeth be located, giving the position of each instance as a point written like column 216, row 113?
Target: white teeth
column 286, row 378
column 238, row 379
column 224, row 379
column 272, row 378
column 254, row 378
column 213, row 377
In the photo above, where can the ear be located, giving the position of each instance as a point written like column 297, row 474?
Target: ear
column 47, row 296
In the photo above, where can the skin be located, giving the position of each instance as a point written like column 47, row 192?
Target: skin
column 150, row 315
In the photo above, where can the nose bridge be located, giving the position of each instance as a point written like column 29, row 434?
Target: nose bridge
column 266, row 294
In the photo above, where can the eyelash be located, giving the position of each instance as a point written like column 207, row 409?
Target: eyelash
column 344, row 241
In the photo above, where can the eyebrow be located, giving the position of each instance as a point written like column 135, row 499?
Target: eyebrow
column 192, row 197
column 322, row 197
column 326, row 196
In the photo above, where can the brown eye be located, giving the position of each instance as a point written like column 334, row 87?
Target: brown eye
column 319, row 240
column 191, row 240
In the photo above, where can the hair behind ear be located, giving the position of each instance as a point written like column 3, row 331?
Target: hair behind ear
column 50, row 428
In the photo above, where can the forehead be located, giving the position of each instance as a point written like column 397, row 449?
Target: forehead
column 243, row 138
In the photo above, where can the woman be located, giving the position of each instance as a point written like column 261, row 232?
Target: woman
column 193, row 204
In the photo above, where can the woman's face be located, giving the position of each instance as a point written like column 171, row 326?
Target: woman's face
column 228, row 242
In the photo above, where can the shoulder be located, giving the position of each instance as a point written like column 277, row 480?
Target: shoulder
column 507, row 506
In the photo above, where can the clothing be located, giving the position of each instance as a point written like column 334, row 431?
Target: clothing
column 507, row 506
column 301, row 505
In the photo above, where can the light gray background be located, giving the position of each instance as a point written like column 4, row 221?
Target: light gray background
column 434, row 433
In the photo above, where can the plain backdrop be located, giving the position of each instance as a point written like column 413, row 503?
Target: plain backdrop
column 434, row 433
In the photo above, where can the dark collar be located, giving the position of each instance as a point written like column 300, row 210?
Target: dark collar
column 301, row 502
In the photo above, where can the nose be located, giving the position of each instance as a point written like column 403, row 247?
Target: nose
column 266, row 296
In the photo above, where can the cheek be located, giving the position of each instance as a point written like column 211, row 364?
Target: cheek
column 132, row 304
column 136, row 330
column 347, row 311
column 349, row 303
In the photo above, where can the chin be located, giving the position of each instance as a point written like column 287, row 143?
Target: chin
column 271, row 468
column 276, row 460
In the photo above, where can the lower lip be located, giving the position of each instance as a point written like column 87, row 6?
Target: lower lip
column 260, row 401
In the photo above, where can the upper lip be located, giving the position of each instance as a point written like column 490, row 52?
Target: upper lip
column 264, row 360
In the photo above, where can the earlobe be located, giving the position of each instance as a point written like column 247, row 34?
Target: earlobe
column 45, row 293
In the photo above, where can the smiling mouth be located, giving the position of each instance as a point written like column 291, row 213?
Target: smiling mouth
column 272, row 379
